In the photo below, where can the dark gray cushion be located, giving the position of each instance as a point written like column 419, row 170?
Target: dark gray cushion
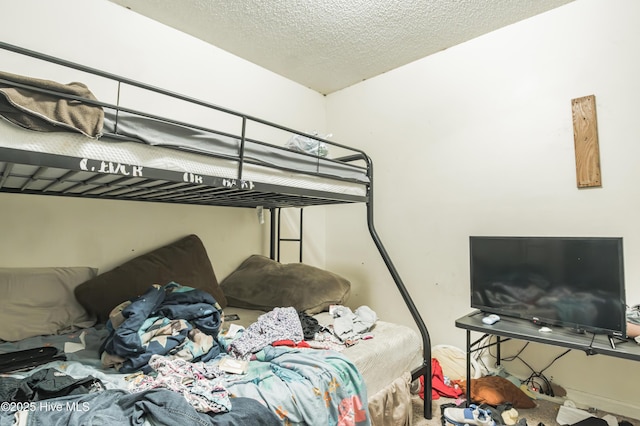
column 184, row 261
column 262, row 283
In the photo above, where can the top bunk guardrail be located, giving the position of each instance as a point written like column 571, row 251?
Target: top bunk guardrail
column 140, row 155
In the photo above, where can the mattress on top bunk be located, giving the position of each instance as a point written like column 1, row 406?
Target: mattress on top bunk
column 161, row 133
column 393, row 350
column 134, row 153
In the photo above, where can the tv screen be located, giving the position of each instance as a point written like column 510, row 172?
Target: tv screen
column 564, row 281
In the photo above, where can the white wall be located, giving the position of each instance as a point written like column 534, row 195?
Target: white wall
column 473, row 140
column 50, row 231
column 478, row 140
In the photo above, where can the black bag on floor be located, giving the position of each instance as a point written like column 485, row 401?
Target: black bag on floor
column 20, row 360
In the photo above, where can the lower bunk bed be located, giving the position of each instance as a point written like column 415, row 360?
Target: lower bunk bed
column 157, row 340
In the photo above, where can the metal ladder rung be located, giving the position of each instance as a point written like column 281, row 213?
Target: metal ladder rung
column 298, row 240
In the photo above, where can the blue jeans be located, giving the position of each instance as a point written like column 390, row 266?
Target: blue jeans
column 118, row 407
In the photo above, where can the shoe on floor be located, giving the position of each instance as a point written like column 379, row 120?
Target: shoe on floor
column 468, row 416
column 510, row 416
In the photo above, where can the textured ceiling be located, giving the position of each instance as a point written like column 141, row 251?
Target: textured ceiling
column 328, row 45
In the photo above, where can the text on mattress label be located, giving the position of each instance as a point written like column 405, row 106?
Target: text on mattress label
column 112, row 168
column 191, row 178
column 233, row 183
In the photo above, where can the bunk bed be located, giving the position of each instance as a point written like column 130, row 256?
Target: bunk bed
column 97, row 149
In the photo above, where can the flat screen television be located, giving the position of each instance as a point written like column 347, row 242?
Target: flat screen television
column 572, row 282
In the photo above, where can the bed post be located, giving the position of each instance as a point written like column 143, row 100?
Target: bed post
column 425, row 370
column 272, row 233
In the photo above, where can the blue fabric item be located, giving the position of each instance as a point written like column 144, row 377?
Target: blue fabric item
column 118, row 407
column 468, row 413
column 161, row 322
column 125, row 341
column 305, row 387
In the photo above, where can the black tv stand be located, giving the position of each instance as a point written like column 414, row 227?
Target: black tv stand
column 516, row 328
column 617, row 339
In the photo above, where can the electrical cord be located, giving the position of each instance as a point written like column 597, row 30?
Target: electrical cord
column 487, row 347
column 546, row 387
column 555, row 359
column 537, row 380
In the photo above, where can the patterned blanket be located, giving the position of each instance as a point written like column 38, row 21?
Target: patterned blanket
column 305, row 386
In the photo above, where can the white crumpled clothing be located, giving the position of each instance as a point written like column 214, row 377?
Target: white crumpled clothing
column 349, row 325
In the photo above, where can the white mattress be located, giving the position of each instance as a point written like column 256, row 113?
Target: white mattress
column 147, row 156
column 394, row 349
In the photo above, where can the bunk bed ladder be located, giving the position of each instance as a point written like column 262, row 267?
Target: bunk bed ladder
column 276, row 234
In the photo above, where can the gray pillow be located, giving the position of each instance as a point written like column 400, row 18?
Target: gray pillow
column 40, row 301
column 262, row 283
column 184, row 261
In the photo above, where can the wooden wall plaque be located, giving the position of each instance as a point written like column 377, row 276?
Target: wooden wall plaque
column 585, row 138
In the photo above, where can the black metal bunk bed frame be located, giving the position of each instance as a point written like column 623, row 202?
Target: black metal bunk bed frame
column 93, row 179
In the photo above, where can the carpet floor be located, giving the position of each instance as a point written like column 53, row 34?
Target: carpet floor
column 545, row 413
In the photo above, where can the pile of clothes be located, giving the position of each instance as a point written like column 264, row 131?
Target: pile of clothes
column 172, row 320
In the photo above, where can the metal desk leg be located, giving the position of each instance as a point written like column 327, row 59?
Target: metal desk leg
column 468, row 393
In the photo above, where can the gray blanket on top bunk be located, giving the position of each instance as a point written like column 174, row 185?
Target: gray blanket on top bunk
column 46, row 112
column 123, row 125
